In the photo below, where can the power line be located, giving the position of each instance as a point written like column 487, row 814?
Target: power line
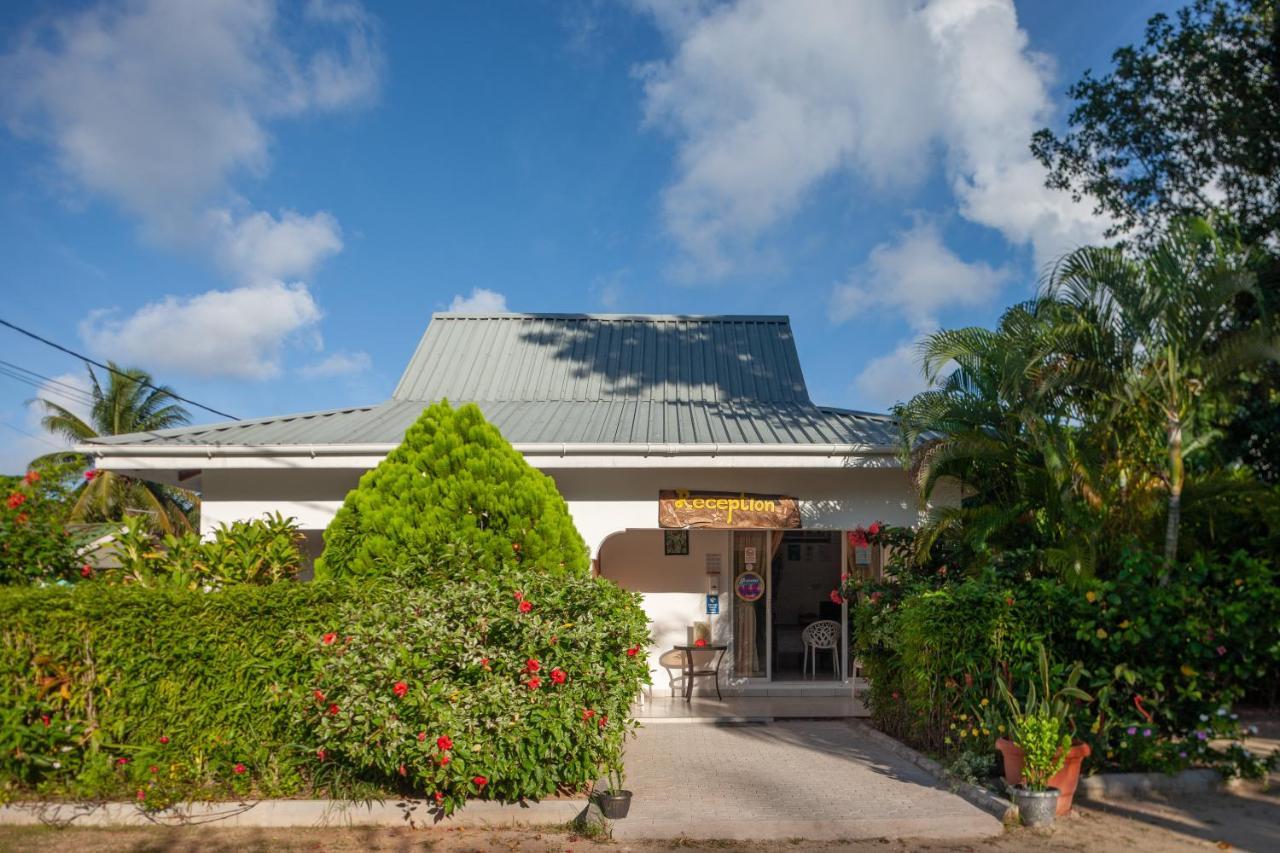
column 32, row 435
column 55, row 387
column 120, row 373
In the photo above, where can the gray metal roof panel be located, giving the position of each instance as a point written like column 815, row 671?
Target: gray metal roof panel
column 543, row 357
column 553, row 422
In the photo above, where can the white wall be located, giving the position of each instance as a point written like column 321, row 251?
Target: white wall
column 674, row 587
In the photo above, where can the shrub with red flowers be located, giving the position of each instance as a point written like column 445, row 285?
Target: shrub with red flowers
column 496, row 694
column 34, row 542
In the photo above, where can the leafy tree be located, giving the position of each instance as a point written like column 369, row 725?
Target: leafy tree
column 453, row 483
column 130, row 402
column 1167, row 322
column 1184, row 124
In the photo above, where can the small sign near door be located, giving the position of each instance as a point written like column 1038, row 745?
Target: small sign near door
column 713, row 605
column 681, row 508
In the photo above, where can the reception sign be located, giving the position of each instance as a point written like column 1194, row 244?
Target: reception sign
column 726, row 510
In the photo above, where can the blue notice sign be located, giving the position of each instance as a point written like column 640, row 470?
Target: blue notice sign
column 713, row 605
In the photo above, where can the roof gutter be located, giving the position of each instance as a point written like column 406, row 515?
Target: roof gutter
column 211, row 451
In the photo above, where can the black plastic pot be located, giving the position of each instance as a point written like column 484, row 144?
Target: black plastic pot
column 614, row 805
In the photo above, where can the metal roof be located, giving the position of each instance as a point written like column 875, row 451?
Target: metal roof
column 583, row 379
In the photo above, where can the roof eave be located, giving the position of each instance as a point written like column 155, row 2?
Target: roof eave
column 212, row 451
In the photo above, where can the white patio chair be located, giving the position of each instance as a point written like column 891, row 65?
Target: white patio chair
column 818, row 636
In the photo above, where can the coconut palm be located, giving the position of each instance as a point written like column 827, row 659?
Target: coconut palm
column 130, row 402
column 1159, row 331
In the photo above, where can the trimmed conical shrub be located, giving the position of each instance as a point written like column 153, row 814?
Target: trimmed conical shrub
column 453, row 486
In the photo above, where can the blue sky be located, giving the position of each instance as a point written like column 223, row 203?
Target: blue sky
column 263, row 203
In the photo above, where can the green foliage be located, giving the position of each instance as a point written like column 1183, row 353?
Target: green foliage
column 34, row 542
column 1044, row 745
column 162, row 693
column 259, row 551
column 454, row 482
column 521, row 681
column 1183, row 123
column 130, row 402
column 1047, row 703
column 1168, row 660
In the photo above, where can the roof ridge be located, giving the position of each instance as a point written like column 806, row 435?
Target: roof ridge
column 645, row 318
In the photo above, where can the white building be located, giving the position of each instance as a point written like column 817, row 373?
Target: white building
column 616, row 409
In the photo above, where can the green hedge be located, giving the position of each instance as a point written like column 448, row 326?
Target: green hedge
column 160, row 694
column 1165, row 662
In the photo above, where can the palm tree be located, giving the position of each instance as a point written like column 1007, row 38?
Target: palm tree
column 129, row 403
column 1161, row 329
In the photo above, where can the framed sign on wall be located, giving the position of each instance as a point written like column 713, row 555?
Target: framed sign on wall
column 675, row 543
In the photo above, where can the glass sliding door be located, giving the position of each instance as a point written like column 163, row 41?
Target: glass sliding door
column 750, row 587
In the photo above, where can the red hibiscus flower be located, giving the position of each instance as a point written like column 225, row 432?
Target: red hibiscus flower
column 239, row 769
column 86, row 570
column 444, row 742
column 858, row 538
column 518, row 595
column 480, row 781
column 604, row 721
column 484, row 662
column 402, row 771
column 31, row 477
column 153, row 769
column 422, row 736
column 444, row 759
column 319, row 694
column 525, row 607
column 142, row 795
column 122, row 760
column 699, row 642
column 44, row 718
column 558, row 676
column 333, row 709
column 16, row 500
column 532, row 665
column 164, row 739
column 836, row 597
column 320, row 753
column 587, row 713
column 21, row 518
column 535, row 683
column 875, row 528
column 439, row 797
column 90, row 474
column 633, row 651
column 400, row 689
column 328, row 638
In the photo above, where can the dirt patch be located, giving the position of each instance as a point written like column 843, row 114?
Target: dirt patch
column 1245, row 819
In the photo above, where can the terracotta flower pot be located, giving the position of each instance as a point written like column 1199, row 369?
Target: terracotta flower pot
column 1065, row 780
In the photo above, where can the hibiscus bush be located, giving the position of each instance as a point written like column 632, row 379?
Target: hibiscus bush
column 501, row 687
column 155, row 694
column 453, row 482
column 34, row 542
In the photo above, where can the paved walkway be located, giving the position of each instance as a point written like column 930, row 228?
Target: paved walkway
column 797, row 779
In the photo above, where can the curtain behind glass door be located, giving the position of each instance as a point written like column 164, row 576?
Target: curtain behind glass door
column 750, row 618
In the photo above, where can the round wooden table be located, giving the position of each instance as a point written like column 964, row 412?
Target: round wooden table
column 690, row 672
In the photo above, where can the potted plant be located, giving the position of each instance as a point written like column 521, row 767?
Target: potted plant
column 1057, row 706
column 614, row 801
column 1044, row 746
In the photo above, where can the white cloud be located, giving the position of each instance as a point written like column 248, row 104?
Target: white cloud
column 768, row 98
column 891, row 378
column 157, row 104
column 338, row 364
column 260, row 248
column 914, row 277
column 481, row 301
column 237, row 333
column 159, row 107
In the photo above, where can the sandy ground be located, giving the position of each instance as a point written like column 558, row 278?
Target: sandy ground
column 1246, row 819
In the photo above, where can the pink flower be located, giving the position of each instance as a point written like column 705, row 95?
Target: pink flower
column 400, row 689
column 153, row 769
column 122, row 761
column 239, row 769
column 518, row 595
column 164, row 739
column 422, row 736
column 1222, row 650
column 142, row 795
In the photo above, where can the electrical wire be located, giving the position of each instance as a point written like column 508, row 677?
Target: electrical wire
column 109, row 369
